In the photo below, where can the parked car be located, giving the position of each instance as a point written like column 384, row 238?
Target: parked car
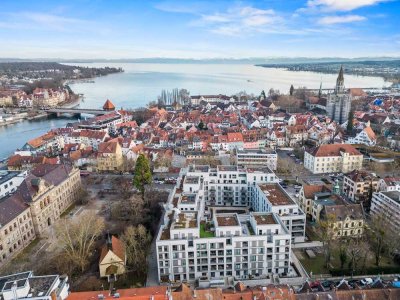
column 314, row 284
column 366, row 281
column 327, row 283
column 353, row 283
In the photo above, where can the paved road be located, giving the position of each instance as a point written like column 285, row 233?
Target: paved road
column 152, row 267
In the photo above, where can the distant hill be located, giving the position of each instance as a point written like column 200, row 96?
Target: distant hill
column 388, row 69
column 250, row 60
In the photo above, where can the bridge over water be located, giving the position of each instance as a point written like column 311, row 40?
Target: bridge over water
column 57, row 111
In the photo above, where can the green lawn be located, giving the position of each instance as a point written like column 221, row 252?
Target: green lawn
column 317, row 265
column 204, row 233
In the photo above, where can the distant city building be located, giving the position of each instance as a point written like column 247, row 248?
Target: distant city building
column 254, row 158
column 365, row 136
column 332, row 158
column 109, row 157
column 338, row 104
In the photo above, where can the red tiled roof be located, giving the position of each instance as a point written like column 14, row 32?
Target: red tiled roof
column 235, row 137
column 334, row 150
column 116, row 247
column 158, row 293
column 108, row 105
column 108, row 147
column 310, row 190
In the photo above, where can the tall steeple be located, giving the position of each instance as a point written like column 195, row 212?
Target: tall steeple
column 320, row 90
column 340, row 82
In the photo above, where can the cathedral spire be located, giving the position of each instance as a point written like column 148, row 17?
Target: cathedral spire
column 340, row 77
column 340, row 81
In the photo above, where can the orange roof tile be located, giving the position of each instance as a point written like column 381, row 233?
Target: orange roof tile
column 108, row 105
column 158, row 293
column 334, row 150
column 116, row 247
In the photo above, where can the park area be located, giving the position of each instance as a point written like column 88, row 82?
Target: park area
column 348, row 256
column 112, row 206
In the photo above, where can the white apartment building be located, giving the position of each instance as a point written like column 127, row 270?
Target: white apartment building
column 357, row 186
column 205, row 236
column 227, row 185
column 271, row 197
column 10, row 181
column 387, row 204
column 389, row 184
column 26, row 285
column 257, row 158
column 89, row 138
column 366, row 136
column 330, row 158
column 245, row 246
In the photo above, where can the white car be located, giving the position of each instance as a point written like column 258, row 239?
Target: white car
column 366, row 281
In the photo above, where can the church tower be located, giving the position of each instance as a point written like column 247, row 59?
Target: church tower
column 340, row 82
column 338, row 104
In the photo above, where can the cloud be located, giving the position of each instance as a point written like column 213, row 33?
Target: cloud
column 240, row 20
column 39, row 21
column 50, row 21
column 331, row 20
column 341, row 5
column 186, row 8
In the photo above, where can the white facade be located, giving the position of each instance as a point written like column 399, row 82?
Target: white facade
column 196, row 241
column 257, row 158
column 247, row 249
column 389, row 184
column 387, row 204
column 363, row 138
column 273, row 198
column 10, row 181
column 28, row 286
column 338, row 160
column 229, row 185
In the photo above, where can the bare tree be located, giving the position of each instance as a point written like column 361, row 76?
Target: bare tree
column 327, row 234
column 357, row 249
column 377, row 235
column 130, row 210
column 137, row 242
column 77, row 239
column 83, row 196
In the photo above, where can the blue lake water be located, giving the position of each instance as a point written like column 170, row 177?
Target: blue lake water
column 142, row 83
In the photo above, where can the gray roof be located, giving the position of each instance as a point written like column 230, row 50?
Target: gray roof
column 11, row 207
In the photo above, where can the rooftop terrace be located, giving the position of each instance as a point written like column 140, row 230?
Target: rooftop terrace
column 227, row 168
column 185, row 220
column 197, row 168
column 275, row 194
column 264, row 219
column 227, row 220
column 188, row 199
column 192, row 180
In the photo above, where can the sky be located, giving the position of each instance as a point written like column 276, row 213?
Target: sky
column 90, row 29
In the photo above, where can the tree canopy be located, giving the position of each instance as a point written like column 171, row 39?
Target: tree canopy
column 142, row 173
